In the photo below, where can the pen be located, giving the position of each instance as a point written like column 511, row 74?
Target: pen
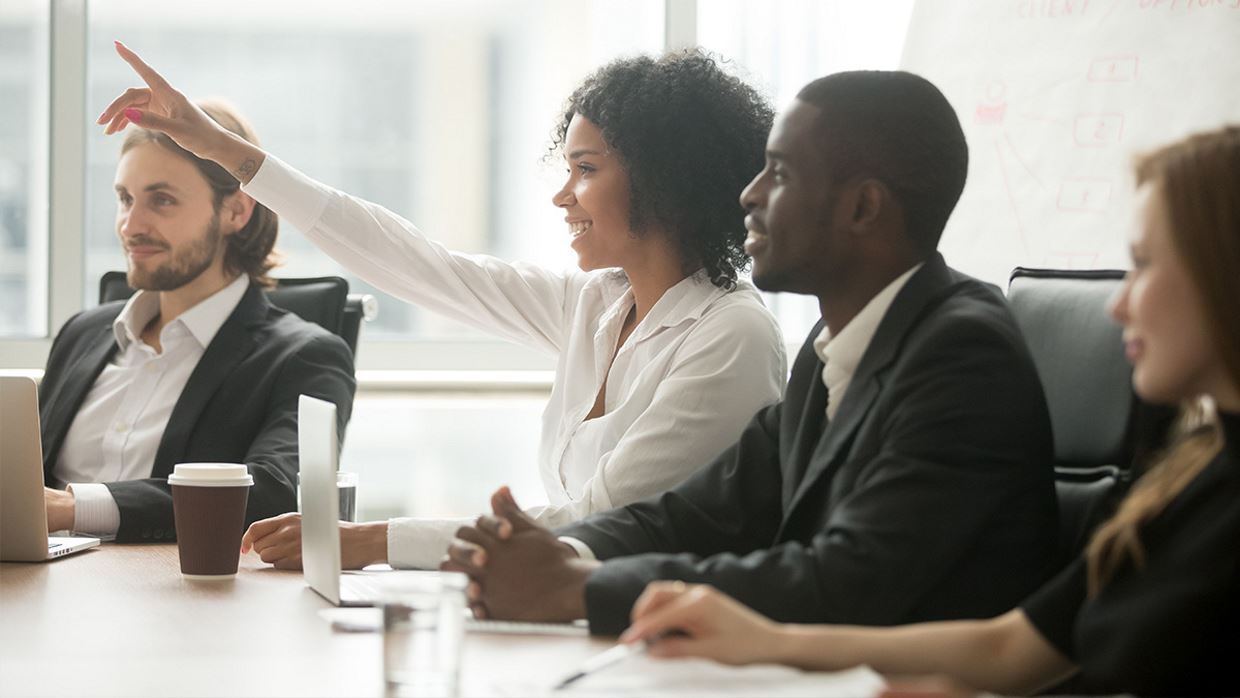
column 603, row 660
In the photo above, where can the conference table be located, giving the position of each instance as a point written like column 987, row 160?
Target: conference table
column 119, row 620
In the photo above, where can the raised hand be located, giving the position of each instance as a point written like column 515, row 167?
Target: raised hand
column 161, row 107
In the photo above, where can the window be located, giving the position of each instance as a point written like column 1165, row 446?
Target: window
column 438, row 110
column 24, row 123
column 460, row 98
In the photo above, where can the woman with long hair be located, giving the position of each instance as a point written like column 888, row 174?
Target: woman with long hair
column 662, row 354
column 1152, row 605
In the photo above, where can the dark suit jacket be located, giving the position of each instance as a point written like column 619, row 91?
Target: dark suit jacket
column 929, row 496
column 239, row 406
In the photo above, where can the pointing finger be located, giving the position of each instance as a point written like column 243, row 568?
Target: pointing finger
column 144, row 71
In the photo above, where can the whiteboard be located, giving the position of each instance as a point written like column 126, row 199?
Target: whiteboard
column 1056, row 98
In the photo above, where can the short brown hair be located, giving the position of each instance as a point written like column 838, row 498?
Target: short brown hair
column 250, row 250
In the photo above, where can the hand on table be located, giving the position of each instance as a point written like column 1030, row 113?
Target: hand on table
column 518, row 569
column 700, row 621
column 60, row 509
column 278, row 541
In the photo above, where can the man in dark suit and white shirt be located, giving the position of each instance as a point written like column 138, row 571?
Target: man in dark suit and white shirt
column 907, row 474
column 196, row 366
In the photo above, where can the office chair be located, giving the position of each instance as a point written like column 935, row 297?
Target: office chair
column 323, row 300
column 1079, row 355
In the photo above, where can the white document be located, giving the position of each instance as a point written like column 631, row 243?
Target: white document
column 680, row 678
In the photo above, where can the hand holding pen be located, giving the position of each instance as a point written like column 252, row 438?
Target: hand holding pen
column 673, row 619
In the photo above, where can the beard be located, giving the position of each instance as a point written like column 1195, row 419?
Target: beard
column 185, row 265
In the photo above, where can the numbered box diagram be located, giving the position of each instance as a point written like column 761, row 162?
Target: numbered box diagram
column 1084, row 194
column 1098, row 130
column 1113, row 69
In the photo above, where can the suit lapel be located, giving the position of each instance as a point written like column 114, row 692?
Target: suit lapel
column 231, row 344
column 78, row 380
column 865, row 387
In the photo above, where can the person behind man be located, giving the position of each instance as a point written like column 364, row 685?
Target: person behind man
column 906, row 475
column 196, row 366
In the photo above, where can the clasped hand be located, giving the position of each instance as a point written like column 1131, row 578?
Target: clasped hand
column 518, row 569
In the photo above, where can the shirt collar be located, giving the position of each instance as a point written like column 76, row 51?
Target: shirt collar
column 846, row 348
column 138, row 312
column 687, row 300
column 203, row 320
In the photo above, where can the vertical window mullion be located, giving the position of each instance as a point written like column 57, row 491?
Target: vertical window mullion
column 67, row 157
column 680, row 24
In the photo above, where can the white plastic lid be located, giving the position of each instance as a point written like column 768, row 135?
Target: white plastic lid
column 211, row 475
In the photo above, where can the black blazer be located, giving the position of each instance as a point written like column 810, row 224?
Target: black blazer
column 239, row 406
column 929, row 496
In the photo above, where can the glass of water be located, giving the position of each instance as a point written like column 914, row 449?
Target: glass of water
column 423, row 629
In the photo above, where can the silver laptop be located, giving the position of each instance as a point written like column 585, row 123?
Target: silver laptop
column 318, row 451
column 320, row 530
column 23, row 514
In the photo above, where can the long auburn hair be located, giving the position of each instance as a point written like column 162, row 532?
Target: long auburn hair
column 250, row 250
column 1198, row 179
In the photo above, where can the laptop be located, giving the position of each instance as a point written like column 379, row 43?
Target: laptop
column 23, row 514
column 318, row 453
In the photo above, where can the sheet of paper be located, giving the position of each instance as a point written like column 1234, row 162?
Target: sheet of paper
column 646, row 676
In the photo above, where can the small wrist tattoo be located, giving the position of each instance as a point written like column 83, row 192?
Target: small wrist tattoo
column 246, row 170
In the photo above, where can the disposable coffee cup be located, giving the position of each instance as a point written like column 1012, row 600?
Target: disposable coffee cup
column 208, row 503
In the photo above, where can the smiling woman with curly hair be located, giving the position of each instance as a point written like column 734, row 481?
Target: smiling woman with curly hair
column 662, row 355
column 691, row 137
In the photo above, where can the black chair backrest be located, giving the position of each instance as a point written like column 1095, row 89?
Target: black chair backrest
column 323, row 300
column 1079, row 355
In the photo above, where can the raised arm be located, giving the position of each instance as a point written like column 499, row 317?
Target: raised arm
column 521, row 302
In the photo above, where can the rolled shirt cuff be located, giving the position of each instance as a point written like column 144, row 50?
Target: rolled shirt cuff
column 420, row 544
column 94, row 509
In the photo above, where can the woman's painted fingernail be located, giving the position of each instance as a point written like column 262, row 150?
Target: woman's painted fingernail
column 133, row 115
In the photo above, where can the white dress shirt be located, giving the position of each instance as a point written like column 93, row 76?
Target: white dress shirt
column 681, row 389
column 841, row 354
column 116, row 432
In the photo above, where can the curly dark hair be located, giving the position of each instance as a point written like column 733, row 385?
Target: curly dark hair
column 691, row 137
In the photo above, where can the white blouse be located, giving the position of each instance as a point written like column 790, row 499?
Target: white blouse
column 680, row 390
